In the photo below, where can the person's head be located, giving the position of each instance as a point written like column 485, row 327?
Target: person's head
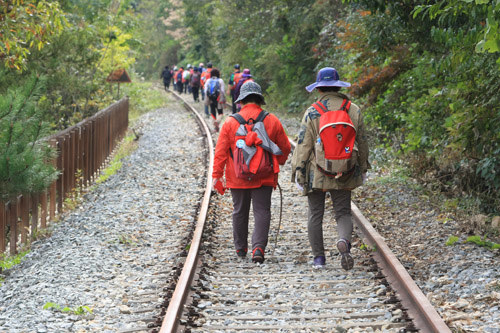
column 215, row 73
column 182, row 67
column 166, row 67
column 209, row 65
column 251, row 92
column 195, row 69
column 236, row 67
column 246, row 73
column 327, row 79
column 201, row 65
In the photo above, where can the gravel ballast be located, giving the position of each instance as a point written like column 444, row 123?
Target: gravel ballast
column 117, row 246
column 113, row 253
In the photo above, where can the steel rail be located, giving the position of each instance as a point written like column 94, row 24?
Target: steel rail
column 424, row 315
column 421, row 311
column 174, row 311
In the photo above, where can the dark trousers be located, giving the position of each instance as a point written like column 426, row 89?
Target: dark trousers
column 260, row 198
column 234, row 104
column 214, row 110
column 166, row 83
column 195, row 91
column 180, row 87
column 342, row 209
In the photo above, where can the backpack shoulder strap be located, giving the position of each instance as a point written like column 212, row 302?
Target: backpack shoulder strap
column 239, row 118
column 319, row 107
column 346, row 104
column 262, row 115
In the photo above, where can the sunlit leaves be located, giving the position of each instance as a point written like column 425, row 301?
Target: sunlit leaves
column 25, row 25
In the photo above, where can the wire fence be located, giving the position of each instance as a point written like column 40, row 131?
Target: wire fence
column 82, row 152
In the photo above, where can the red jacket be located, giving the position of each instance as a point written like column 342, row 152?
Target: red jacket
column 176, row 74
column 226, row 141
column 205, row 76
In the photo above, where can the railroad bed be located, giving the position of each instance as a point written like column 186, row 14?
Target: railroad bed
column 117, row 255
column 286, row 293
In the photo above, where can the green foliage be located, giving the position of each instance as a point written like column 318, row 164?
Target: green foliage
column 485, row 243
column 24, row 158
column 126, row 147
column 26, row 26
column 143, row 98
column 274, row 39
column 451, row 240
column 113, row 167
column 9, row 262
column 155, row 42
column 368, row 248
column 79, row 310
column 73, row 45
column 429, row 94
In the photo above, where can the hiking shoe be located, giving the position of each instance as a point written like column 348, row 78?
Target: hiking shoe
column 319, row 261
column 258, row 255
column 242, row 253
column 344, row 247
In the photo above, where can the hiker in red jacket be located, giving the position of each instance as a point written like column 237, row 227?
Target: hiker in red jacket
column 244, row 192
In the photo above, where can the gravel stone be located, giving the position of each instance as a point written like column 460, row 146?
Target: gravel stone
column 113, row 253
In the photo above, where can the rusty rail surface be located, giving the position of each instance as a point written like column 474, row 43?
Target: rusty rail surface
column 174, row 311
column 421, row 311
column 82, row 152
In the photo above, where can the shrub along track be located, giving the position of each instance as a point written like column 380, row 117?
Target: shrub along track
column 286, row 293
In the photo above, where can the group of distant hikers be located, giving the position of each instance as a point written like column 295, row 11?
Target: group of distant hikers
column 331, row 155
column 193, row 79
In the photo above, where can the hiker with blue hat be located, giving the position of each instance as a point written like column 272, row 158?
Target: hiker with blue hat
column 331, row 156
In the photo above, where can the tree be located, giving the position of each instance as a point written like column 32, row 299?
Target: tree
column 25, row 25
column 23, row 156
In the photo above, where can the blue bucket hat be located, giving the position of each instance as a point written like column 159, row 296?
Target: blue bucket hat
column 327, row 77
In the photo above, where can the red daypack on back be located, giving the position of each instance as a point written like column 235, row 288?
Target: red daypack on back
column 250, row 159
column 335, row 145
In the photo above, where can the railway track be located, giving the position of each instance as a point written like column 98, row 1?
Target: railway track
column 216, row 291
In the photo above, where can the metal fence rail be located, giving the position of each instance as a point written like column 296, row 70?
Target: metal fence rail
column 83, row 150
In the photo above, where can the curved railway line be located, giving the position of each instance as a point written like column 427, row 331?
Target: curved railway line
column 214, row 291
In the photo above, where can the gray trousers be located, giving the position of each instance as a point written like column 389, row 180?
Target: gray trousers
column 260, row 198
column 342, row 208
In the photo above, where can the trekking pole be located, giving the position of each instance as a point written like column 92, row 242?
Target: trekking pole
column 279, row 223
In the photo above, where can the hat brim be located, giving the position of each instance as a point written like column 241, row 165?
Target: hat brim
column 337, row 83
column 243, row 96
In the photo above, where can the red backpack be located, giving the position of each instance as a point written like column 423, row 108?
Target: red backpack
column 254, row 154
column 335, row 147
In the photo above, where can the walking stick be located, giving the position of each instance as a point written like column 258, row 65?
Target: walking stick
column 279, row 224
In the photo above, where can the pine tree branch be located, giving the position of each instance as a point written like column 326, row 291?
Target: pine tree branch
column 10, row 109
column 35, row 139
